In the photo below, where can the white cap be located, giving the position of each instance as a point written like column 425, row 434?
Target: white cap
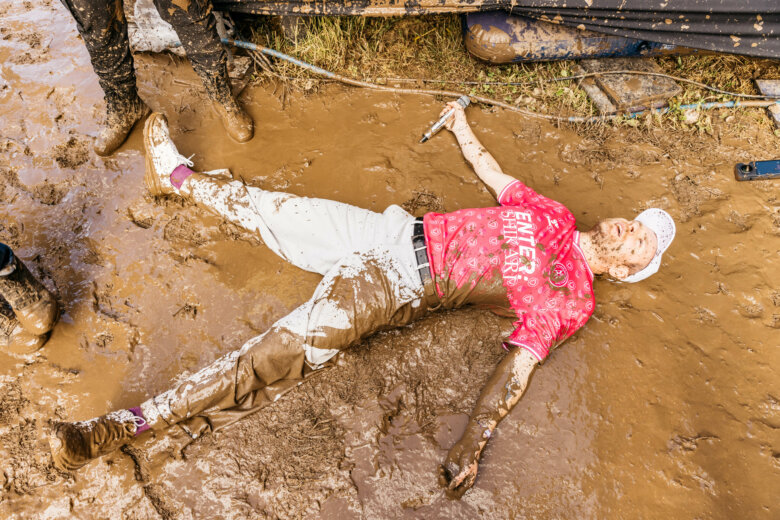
column 662, row 225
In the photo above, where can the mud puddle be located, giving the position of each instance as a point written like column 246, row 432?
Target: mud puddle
column 667, row 404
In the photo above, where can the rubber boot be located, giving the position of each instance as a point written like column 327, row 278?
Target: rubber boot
column 13, row 337
column 74, row 444
column 123, row 111
column 34, row 306
column 237, row 122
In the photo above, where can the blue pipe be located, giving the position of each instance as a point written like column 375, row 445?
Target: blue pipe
column 280, row 55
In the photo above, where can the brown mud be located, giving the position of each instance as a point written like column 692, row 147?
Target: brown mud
column 667, row 403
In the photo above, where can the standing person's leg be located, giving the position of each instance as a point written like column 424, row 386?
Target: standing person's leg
column 103, row 27
column 312, row 234
column 196, row 26
column 365, row 292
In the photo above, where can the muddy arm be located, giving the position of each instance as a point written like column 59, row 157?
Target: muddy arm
column 484, row 164
column 500, row 394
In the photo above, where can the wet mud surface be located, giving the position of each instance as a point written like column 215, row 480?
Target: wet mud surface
column 667, row 403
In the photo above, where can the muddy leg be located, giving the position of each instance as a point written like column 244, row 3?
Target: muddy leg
column 364, row 293
column 312, row 234
column 196, row 26
column 103, row 27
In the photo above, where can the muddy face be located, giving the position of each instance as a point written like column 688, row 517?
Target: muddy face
column 623, row 246
column 669, row 391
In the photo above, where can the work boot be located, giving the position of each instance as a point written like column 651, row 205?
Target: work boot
column 13, row 337
column 236, row 121
column 122, row 113
column 74, row 444
column 34, row 306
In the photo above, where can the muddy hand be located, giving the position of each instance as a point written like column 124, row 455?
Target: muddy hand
column 458, row 119
column 459, row 471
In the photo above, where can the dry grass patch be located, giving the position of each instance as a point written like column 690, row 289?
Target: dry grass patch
column 431, row 48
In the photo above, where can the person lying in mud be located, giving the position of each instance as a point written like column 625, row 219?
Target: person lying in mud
column 28, row 311
column 524, row 258
column 103, row 27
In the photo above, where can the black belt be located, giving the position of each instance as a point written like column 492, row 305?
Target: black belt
column 421, row 250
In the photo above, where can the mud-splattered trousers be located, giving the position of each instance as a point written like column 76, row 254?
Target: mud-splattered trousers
column 370, row 282
column 103, row 27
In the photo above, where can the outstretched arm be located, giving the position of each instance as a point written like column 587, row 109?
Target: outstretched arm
column 485, row 166
column 502, row 392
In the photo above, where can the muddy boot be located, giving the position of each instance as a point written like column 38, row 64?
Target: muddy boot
column 75, row 444
column 122, row 113
column 34, row 306
column 237, row 122
column 13, row 338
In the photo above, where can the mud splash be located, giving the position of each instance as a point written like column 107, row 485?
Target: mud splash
column 667, row 404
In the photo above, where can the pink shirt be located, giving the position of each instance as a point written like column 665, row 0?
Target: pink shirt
column 521, row 258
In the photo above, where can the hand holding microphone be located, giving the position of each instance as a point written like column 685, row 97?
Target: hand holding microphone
column 452, row 113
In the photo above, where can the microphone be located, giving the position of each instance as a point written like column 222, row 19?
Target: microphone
column 463, row 101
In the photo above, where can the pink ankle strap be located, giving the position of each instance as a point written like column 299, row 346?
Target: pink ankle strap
column 140, row 422
column 180, row 175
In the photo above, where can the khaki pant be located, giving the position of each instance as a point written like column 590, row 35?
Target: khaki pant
column 370, row 283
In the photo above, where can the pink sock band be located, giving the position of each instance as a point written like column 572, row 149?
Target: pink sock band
column 180, row 175
column 136, row 410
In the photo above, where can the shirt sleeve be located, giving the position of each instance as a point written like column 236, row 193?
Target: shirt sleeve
column 538, row 334
column 515, row 193
column 518, row 194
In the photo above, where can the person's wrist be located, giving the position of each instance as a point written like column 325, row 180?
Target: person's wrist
column 460, row 126
column 477, row 433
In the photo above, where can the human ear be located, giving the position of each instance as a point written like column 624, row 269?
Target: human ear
column 618, row 272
